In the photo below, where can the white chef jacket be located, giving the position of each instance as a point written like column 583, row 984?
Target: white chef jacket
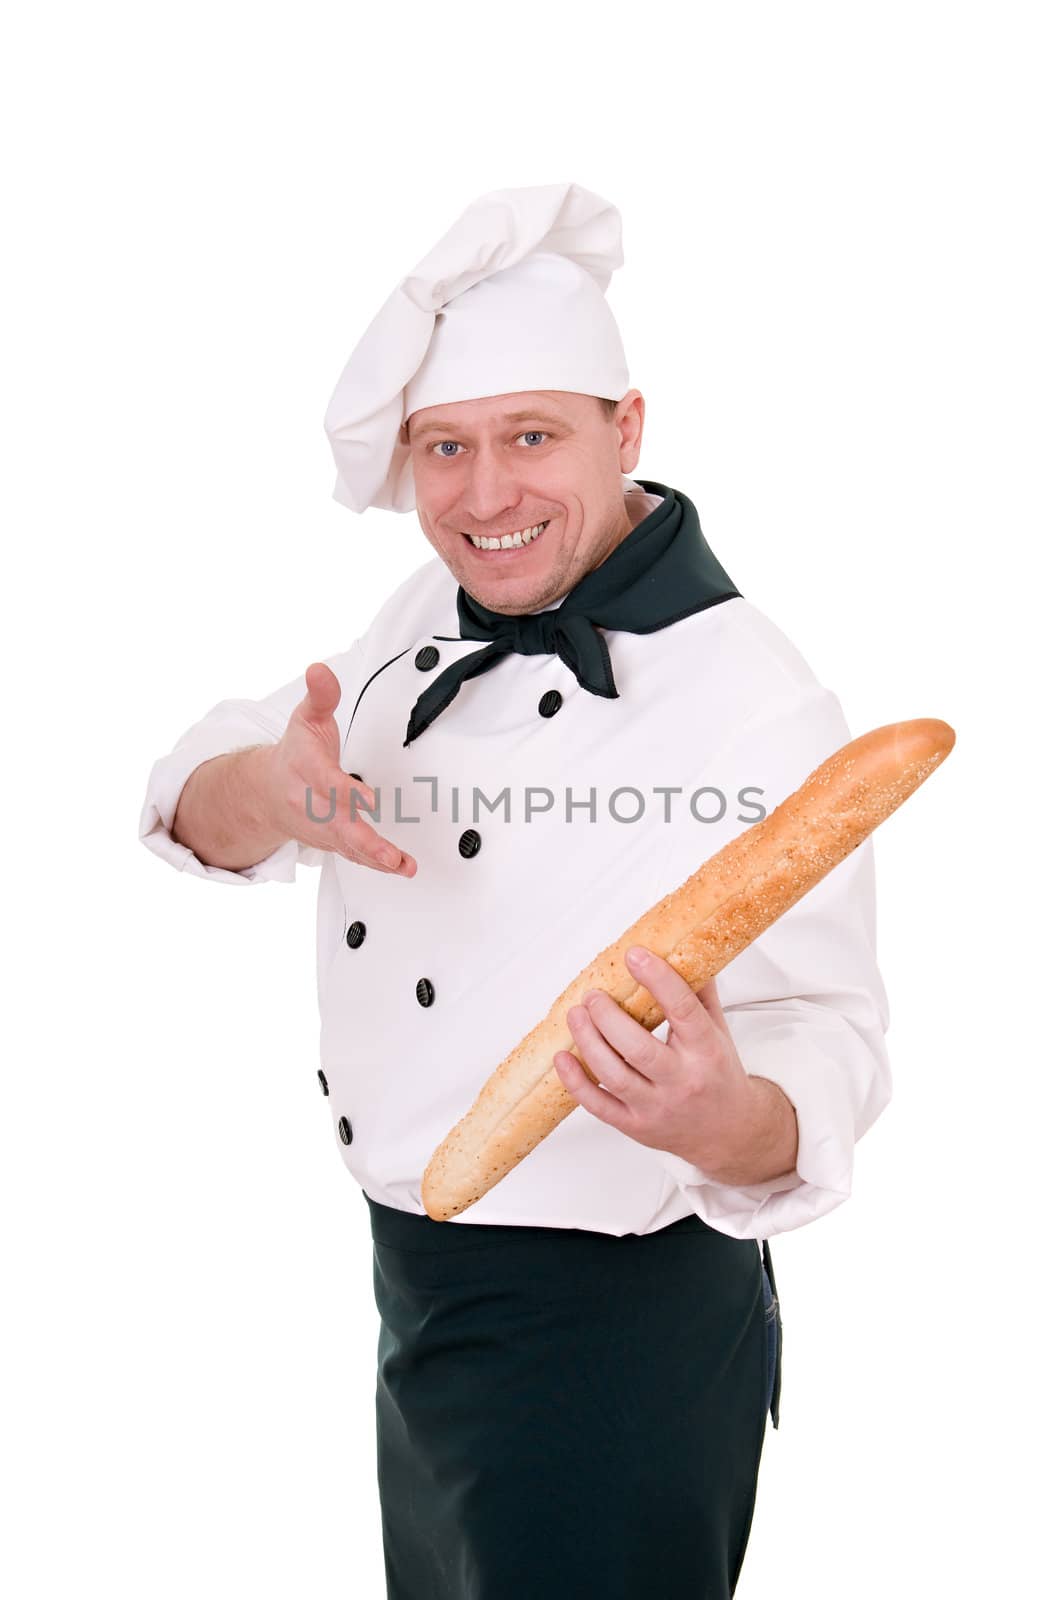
column 720, row 702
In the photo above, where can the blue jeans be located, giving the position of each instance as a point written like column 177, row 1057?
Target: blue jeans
column 771, row 1314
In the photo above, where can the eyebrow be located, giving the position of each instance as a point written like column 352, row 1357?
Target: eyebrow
column 507, row 416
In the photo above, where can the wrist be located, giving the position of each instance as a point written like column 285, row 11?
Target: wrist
column 253, row 788
column 766, row 1147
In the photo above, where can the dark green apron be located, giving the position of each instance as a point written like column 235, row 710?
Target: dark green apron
column 563, row 1413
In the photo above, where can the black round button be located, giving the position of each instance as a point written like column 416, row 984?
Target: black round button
column 345, row 1130
column 425, row 991
column 426, row 658
column 469, row 843
column 322, row 1080
column 550, row 702
column 355, row 934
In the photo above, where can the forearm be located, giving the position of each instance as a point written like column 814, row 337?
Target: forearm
column 767, row 1144
column 220, row 814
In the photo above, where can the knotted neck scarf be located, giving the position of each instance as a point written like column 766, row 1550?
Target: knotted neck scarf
column 662, row 571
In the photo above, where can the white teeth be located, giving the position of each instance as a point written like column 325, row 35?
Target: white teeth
column 508, row 541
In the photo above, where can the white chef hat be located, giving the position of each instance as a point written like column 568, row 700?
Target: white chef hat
column 512, row 297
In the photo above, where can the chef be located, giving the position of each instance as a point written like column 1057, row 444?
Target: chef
column 552, row 721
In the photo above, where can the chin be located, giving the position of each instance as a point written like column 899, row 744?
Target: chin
column 506, row 597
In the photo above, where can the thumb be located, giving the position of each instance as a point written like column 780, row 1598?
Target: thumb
column 322, row 693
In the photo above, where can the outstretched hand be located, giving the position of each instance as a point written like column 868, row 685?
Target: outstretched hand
column 307, row 783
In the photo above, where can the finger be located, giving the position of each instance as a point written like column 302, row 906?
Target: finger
column 401, row 863
column 710, row 999
column 689, row 1021
column 364, row 837
column 606, row 1063
column 352, row 837
column 375, row 848
column 375, row 852
column 349, row 834
column 599, row 1102
column 322, row 693
column 368, row 798
column 634, row 1043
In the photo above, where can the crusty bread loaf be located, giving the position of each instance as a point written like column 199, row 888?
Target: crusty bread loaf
column 721, row 908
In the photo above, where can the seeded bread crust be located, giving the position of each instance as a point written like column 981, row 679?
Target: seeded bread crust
column 698, row 928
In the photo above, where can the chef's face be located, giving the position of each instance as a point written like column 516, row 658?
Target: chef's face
column 507, row 464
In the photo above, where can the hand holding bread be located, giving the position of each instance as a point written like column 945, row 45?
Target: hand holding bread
column 698, row 928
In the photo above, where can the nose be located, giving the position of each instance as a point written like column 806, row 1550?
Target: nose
column 491, row 489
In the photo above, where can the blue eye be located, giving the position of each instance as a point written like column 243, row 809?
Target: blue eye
column 453, row 445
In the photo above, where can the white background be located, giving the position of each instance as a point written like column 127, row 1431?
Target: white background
column 841, row 301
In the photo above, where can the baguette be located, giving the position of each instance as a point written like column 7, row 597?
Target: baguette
column 698, row 928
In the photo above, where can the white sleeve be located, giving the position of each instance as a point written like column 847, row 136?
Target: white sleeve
column 228, row 726
column 805, row 1002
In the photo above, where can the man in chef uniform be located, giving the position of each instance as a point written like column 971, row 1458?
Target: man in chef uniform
column 547, row 726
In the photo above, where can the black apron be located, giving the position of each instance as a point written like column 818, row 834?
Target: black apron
column 563, row 1413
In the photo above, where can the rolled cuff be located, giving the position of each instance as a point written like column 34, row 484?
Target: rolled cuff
column 838, row 1080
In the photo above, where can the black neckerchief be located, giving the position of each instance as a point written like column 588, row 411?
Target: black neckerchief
column 661, row 571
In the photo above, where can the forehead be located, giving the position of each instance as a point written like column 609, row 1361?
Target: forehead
column 527, row 405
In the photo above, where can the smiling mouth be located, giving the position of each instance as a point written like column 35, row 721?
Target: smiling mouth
column 508, row 541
